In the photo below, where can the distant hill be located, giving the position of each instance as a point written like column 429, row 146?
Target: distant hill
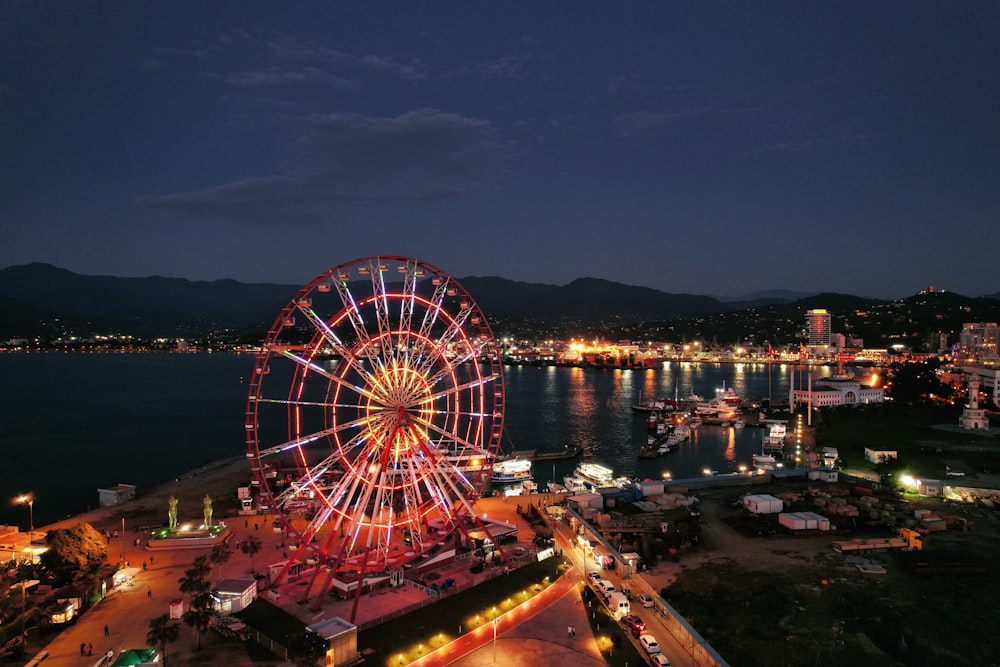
column 44, row 300
column 583, row 298
column 764, row 298
column 174, row 306
column 142, row 305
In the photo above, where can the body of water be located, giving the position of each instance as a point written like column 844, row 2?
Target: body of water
column 73, row 423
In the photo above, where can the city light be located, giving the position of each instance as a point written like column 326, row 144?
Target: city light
column 29, row 500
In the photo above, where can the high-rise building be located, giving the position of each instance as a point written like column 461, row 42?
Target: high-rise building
column 980, row 339
column 818, row 326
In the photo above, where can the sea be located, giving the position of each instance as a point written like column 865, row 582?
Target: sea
column 75, row 422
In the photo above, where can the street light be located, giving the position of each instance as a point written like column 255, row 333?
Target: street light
column 28, row 498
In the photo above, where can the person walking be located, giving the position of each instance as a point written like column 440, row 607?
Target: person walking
column 106, row 631
column 83, row 648
column 149, row 592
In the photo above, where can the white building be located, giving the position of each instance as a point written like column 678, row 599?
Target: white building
column 835, row 390
column 973, row 417
column 980, row 339
column 989, row 379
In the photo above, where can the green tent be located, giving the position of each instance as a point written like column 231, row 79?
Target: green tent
column 135, row 656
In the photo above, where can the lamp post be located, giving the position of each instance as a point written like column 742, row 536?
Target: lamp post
column 29, row 499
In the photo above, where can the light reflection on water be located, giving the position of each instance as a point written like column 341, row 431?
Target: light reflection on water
column 550, row 407
column 80, row 421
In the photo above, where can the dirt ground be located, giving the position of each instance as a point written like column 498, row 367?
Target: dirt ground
column 780, row 599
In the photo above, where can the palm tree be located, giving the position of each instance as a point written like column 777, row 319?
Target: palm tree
column 219, row 554
column 162, row 631
column 195, row 579
column 251, row 546
column 200, row 614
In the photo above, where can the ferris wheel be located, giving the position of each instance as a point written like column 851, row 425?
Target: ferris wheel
column 374, row 414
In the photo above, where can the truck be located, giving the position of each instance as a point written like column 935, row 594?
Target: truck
column 907, row 540
column 618, row 605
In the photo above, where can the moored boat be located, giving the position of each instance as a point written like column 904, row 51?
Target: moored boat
column 765, row 461
column 513, row 470
column 595, row 474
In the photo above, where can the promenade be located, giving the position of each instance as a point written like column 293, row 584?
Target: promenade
column 127, row 610
column 535, row 633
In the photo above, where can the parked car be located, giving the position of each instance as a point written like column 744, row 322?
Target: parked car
column 635, row 624
column 645, row 600
column 605, row 588
column 659, row 660
column 649, row 644
column 594, row 576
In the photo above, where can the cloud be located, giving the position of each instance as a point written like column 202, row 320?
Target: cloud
column 274, row 77
column 289, row 49
column 346, row 160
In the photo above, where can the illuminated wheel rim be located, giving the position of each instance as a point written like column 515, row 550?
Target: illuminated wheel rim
column 375, row 412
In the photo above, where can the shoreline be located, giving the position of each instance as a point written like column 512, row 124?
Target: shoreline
column 219, row 479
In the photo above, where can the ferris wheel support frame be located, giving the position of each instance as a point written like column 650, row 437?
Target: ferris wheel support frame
column 441, row 338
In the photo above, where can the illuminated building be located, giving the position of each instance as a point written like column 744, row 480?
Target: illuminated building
column 818, row 327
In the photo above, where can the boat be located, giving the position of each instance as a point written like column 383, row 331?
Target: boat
column 739, row 423
column 775, row 439
column 765, row 461
column 594, row 474
column 467, row 459
column 512, row 470
column 575, row 484
column 555, row 487
column 525, row 487
column 568, row 452
column 518, row 454
column 728, row 396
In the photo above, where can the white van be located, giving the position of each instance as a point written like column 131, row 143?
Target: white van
column 605, row 588
column 618, row 605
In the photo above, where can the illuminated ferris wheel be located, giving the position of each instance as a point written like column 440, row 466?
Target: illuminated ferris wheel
column 374, row 414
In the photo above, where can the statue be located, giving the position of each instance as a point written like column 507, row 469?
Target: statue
column 172, row 514
column 208, row 510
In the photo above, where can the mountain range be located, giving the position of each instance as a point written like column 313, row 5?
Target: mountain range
column 35, row 297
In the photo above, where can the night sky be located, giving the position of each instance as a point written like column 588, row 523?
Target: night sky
column 696, row 147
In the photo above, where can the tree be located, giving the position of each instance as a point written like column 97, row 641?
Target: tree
column 71, row 550
column 161, row 632
column 219, row 554
column 200, row 614
column 195, row 579
column 251, row 546
column 197, row 585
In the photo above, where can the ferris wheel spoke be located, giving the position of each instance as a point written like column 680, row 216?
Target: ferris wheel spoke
column 448, row 435
column 446, row 479
column 333, row 377
column 407, row 304
column 297, row 443
column 330, row 336
column 352, row 311
column 381, row 302
column 459, row 389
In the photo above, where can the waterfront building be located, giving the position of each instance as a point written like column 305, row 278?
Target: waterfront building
column 834, row 390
